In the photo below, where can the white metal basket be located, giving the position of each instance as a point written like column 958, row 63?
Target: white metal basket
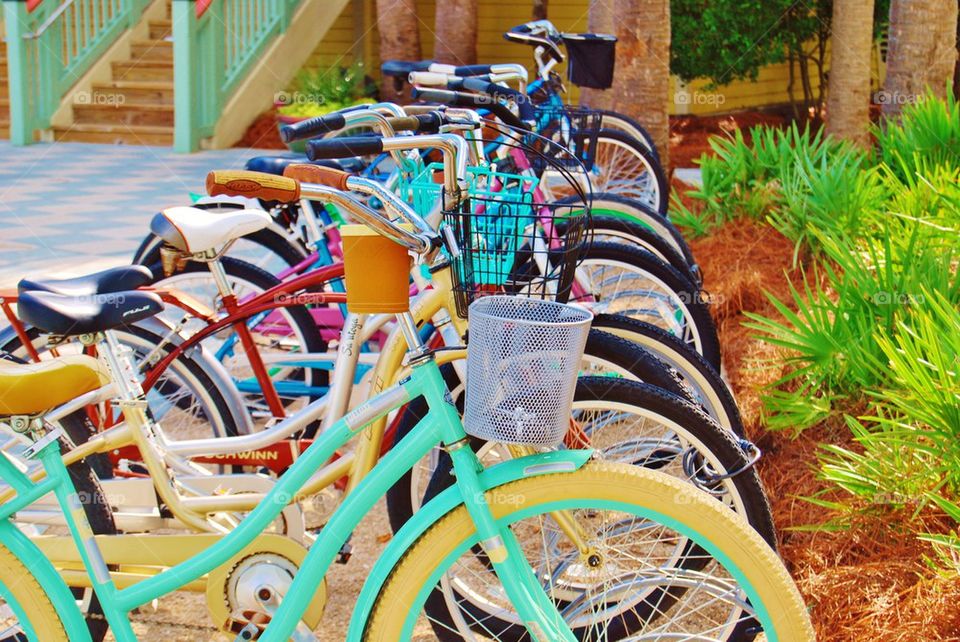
column 522, row 364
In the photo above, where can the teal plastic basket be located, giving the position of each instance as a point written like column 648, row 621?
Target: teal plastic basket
column 495, row 221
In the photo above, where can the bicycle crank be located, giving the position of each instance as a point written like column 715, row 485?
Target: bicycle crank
column 243, row 594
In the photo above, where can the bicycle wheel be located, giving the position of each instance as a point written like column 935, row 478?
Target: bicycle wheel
column 617, row 278
column 640, row 425
column 278, row 334
column 626, row 167
column 702, row 383
column 25, row 610
column 602, row 204
column 604, row 355
column 633, row 520
column 610, row 229
column 84, row 475
column 630, row 126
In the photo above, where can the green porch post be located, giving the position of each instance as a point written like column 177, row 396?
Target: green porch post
column 186, row 108
column 17, row 25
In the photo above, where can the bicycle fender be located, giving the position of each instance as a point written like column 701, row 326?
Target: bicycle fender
column 48, row 578
column 561, row 461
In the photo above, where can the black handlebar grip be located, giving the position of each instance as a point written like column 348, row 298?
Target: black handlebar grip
column 473, row 70
column 429, row 123
column 524, row 105
column 471, row 101
column 312, row 127
column 344, row 147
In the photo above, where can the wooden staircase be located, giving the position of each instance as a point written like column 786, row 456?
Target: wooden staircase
column 4, row 95
column 136, row 106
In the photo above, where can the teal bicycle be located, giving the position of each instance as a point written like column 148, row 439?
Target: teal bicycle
column 566, row 544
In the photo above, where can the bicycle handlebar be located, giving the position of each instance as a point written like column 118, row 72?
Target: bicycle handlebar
column 478, row 85
column 471, row 101
column 346, row 147
column 313, row 127
column 268, row 187
column 318, row 175
column 331, row 186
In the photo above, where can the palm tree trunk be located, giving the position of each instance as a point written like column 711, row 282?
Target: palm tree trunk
column 600, row 20
column 540, row 9
column 455, row 38
column 399, row 38
column 641, row 87
column 848, row 103
column 922, row 51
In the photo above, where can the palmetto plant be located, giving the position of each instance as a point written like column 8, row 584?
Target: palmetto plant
column 871, row 330
column 909, row 447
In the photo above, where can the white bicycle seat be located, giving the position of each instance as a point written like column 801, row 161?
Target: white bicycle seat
column 193, row 230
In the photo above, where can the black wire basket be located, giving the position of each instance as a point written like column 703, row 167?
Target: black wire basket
column 511, row 242
column 572, row 134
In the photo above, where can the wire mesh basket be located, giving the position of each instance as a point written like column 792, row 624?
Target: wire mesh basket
column 522, row 366
column 567, row 136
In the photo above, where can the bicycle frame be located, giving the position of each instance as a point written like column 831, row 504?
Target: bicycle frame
column 441, row 426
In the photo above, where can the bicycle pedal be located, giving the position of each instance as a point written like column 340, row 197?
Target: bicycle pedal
column 248, row 625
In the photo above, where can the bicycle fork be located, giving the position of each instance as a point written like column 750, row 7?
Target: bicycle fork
column 536, row 609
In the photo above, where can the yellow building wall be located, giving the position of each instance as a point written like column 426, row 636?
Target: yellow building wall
column 354, row 33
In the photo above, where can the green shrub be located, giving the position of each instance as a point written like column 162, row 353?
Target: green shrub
column 926, row 137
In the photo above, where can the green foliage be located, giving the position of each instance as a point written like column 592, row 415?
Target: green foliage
column 927, row 137
column 753, row 178
column 323, row 90
column 871, row 330
column 726, row 40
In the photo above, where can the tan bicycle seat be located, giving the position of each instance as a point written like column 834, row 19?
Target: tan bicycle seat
column 31, row 388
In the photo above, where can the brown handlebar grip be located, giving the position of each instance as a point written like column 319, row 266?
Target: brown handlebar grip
column 268, row 187
column 404, row 124
column 318, row 175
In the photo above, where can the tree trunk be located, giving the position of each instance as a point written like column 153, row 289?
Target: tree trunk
column 641, row 87
column 399, row 38
column 455, row 38
column 540, row 9
column 600, row 20
column 848, row 102
column 922, row 52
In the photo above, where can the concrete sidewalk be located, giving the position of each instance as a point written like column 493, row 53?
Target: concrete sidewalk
column 69, row 208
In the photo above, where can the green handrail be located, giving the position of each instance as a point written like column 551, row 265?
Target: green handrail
column 215, row 42
column 49, row 48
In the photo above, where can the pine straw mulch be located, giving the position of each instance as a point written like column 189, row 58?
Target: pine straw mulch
column 868, row 582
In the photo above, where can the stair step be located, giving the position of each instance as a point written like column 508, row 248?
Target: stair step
column 143, row 70
column 115, row 134
column 159, row 29
column 139, row 92
column 152, row 50
column 126, row 114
